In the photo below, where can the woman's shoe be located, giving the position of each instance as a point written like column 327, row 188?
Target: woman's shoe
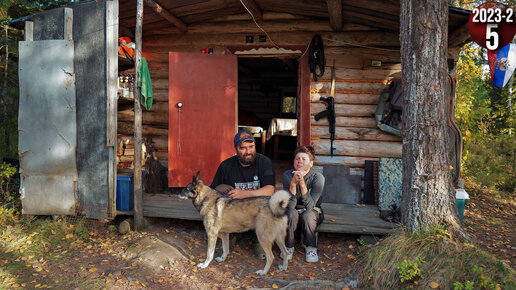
column 311, row 255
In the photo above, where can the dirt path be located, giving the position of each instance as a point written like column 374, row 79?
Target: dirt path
column 165, row 255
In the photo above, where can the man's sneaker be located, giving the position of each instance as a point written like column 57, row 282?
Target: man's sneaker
column 311, row 255
column 290, row 253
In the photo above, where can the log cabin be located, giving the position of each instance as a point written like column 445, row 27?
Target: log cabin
column 215, row 67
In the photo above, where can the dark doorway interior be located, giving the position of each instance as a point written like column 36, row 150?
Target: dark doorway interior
column 267, row 89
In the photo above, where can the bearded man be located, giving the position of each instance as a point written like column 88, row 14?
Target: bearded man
column 247, row 174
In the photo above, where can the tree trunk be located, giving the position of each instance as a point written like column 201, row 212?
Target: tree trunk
column 428, row 192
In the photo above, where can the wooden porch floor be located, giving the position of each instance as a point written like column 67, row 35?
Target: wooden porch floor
column 338, row 218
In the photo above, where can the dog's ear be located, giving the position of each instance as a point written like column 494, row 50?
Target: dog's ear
column 199, row 176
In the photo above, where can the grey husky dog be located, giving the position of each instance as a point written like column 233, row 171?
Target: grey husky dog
column 223, row 215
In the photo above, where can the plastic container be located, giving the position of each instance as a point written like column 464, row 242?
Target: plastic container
column 125, row 191
column 462, row 197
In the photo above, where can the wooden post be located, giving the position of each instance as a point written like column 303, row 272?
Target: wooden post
column 29, row 31
column 138, row 190
column 68, row 24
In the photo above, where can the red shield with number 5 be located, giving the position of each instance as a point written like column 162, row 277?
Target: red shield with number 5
column 492, row 25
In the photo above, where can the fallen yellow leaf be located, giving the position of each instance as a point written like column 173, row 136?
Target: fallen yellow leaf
column 434, row 285
column 69, row 236
column 275, row 286
column 93, row 269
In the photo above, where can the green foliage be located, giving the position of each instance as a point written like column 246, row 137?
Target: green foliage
column 409, row 270
column 485, row 115
column 491, row 162
column 8, row 184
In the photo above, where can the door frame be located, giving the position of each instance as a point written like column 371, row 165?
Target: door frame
column 303, row 84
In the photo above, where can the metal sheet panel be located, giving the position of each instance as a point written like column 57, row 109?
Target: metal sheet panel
column 47, row 127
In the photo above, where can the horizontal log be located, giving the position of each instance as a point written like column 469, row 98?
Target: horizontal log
column 343, row 85
column 350, row 161
column 346, row 110
column 387, row 56
column 160, row 95
column 372, row 38
column 356, row 122
column 127, row 128
column 359, row 148
column 348, row 133
column 364, row 99
column 148, row 117
column 373, row 73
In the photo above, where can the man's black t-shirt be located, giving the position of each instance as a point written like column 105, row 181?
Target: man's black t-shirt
column 255, row 176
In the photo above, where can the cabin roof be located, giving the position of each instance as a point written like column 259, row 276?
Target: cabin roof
column 379, row 15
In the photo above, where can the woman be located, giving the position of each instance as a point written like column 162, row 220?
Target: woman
column 306, row 187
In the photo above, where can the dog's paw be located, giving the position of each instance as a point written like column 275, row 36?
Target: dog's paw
column 202, row 265
column 261, row 272
column 220, row 259
column 282, row 268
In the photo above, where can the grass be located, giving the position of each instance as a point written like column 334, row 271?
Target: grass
column 443, row 262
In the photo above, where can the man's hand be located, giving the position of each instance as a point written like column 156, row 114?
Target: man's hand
column 238, row 193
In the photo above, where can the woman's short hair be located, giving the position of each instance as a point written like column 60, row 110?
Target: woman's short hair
column 306, row 149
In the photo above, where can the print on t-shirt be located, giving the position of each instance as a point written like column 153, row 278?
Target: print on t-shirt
column 253, row 185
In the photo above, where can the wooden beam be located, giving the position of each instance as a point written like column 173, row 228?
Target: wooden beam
column 335, row 13
column 167, row 15
column 459, row 36
column 253, row 9
column 138, row 184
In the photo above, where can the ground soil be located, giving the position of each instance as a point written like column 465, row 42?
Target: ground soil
column 107, row 260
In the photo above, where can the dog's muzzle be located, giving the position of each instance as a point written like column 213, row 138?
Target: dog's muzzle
column 183, row 194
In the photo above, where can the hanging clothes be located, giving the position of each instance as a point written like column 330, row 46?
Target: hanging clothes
column 145, row 84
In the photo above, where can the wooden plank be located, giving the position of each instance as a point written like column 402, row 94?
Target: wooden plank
column 346, row 110
column 349, row 133
column 166, row 15
column 350, row 161
column 335, row 13
column 254, row 10
column 111, row 98
column 138, row 185
column 29, row 31
column 68, row 24
column 364, row 99
column 339, row 218
column 281, row 38
column 348, row 85
column 356, row 122
column 359, row 148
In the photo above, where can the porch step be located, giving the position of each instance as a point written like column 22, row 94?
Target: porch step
column 338, row 218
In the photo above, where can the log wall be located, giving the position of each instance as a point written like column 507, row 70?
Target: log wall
column 358, row 82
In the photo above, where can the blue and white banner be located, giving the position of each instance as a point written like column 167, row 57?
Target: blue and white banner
column 502, row 63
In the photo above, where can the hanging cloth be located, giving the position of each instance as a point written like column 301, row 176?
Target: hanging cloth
column 145, row 84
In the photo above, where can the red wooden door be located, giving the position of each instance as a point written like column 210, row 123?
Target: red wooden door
column 200, row 133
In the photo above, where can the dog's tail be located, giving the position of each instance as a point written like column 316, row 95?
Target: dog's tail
column 278, row 202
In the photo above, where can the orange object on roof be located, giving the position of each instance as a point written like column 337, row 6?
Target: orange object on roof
column 125, row 47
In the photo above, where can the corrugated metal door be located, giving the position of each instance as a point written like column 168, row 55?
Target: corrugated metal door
column 47, row 127
column 201, row 131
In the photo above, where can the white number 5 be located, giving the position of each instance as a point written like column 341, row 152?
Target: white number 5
column 491, row 36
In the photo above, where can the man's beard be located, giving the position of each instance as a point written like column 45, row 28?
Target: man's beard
column 247, row 160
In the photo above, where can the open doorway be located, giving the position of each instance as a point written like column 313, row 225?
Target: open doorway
column 267, row 106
